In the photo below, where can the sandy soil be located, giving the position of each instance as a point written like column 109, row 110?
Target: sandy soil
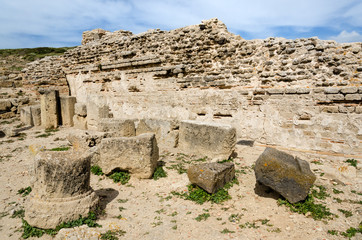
column 150, row 211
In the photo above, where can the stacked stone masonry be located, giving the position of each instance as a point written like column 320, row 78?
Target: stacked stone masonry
column 302, row 93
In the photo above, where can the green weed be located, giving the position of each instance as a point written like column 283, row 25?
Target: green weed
column 122, row 200
column 120, row 176
column 59, row 149
column 346, row 213
column 336, row 191
column 24, row 191
column 321, row 194
column 112, row 234
column 352, row 162
column 159, row 173
column 202, row 217
column 18, row 214
column 235, row 218
column 97, row 170
column 225, row 231
column 179, row 167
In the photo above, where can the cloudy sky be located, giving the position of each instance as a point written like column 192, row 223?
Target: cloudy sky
column 57, row 23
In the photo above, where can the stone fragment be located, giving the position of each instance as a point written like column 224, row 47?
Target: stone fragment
column 214, row 140
column 36, row 114
column 335, row 97
column 67, row 110
column 26, row 116
column 65, row 194
column 287, row 175
column 49, row 103
column 211, row 176
column 138, row 154
column 119, row 127
column 83, row 140
column 80, row 122
column 80, row 109
column 331, row 90
column 5, row 105
column 95, row 113
column 349, row 90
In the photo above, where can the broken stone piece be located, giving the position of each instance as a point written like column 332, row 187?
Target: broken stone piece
column 119, row 127
column 211, row 176
column 214, row 140
column 61, row 190
column 138, row 154
column 288, row 175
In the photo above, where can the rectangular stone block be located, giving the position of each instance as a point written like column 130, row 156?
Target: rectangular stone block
column 36, row 114
column 353, row 97
column 80, row 109
column 80, row 122
column 95, row 113
column 119, row 127
column 5, row 105
column 25, row 116
column 138, row 155
column 67, row 110
column 214, row 140
column 49, row 104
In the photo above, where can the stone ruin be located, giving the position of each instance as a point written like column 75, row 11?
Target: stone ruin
column 199, row 89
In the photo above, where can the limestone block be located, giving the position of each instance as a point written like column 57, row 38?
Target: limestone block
column 94, row 114
column 166, row 131
column 5, row 105
column 353, row 97
column 288, row 175
column 211, row 176
column 83, row 140
column 63, row 195
column 67, row 110
column 119, row 127
column 137, row 154
column 36, row 114
column 26, row 116
column 214, row 140
column 50, row 114
column 80, row 122
column 80, row 109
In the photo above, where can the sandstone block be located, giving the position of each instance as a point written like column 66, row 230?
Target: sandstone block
column 94, row 114
column 36, row 114
column 214, row 140
column 211, row 176
column 353, row 97
column 63, row 195
column 119, row 127
column 26, row 116
column 67, row 110
column 50, row 114
column 349, row 90
column 335, row 97
column 288, row 175
column 80, row 122
column 137, row 154
column 80, row 109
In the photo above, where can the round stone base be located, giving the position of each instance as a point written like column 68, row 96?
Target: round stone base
column 49, row 213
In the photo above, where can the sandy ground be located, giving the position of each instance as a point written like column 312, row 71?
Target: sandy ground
column 150, row 211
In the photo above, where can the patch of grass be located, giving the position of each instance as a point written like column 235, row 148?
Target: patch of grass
column 24, row 191
column 160, row 211
column 332, row 232
column 249, row 225
column 155, row 224
column 174, row 227
column 173, row 214
column 112, row 234
column 338, row 200
column 179, row 167
column 199, row 195
column 159, row 173
column 355, row 192
column 336, row 191
column 202, row 217
column 30, row 231
column 44, row 135
column 3, row 214
column 308, row 206
column 120, row 176
column 31, row 54
column 225, row 231
column 18, row 213
column 352, row 162
column 349, row 233
column 321, row 194
column 122, row 200
column 59, row 149
column 235, row 217
column 346, row 213
column 97, row 170
column 317, row 162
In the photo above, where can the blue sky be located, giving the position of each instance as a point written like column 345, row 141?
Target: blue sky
column 57, row 23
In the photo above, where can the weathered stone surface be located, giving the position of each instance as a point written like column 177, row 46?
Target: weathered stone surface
column 50, row 114
column 214, row 140
column 95, row 113
column 63, row 195
column 288, row 175
column 36, row 114
column 137, row 154
column 211, row 176
column 5, row 104
column 80, row 122
column 67, row 110
column 166, row 131
column 26, row 116
column 80, row 109
column 119, row 127
column 83, row 140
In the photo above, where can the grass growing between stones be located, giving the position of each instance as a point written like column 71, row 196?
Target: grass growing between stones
column 349, row 233
column 24, row 191
column 119, row 176
column 30, row 231
column 309, row 207
column 159, row 173
column 112, row 234
column 97, row 170
column 200, row 196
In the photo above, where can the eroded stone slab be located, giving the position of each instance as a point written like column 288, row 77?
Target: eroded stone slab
column 67, row 110
column 119, row 127
column 50, row 114
column 288, row 175
column 138, row 154
column 61, row 190
column 211, row 176
column 214, row 140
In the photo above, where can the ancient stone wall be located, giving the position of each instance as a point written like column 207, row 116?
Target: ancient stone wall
column 303, row 93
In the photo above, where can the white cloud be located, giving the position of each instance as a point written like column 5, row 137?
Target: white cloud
column 345, row 37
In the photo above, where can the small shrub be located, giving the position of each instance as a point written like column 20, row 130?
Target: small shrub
column 352, row 162
column 159, row 173
column 24, row 191
column 96, row 170
column 120, row 176
column 225, row 231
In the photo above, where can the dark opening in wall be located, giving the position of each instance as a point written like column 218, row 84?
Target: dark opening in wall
column 249, row 143
column 201, row 114
column 220, row 115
